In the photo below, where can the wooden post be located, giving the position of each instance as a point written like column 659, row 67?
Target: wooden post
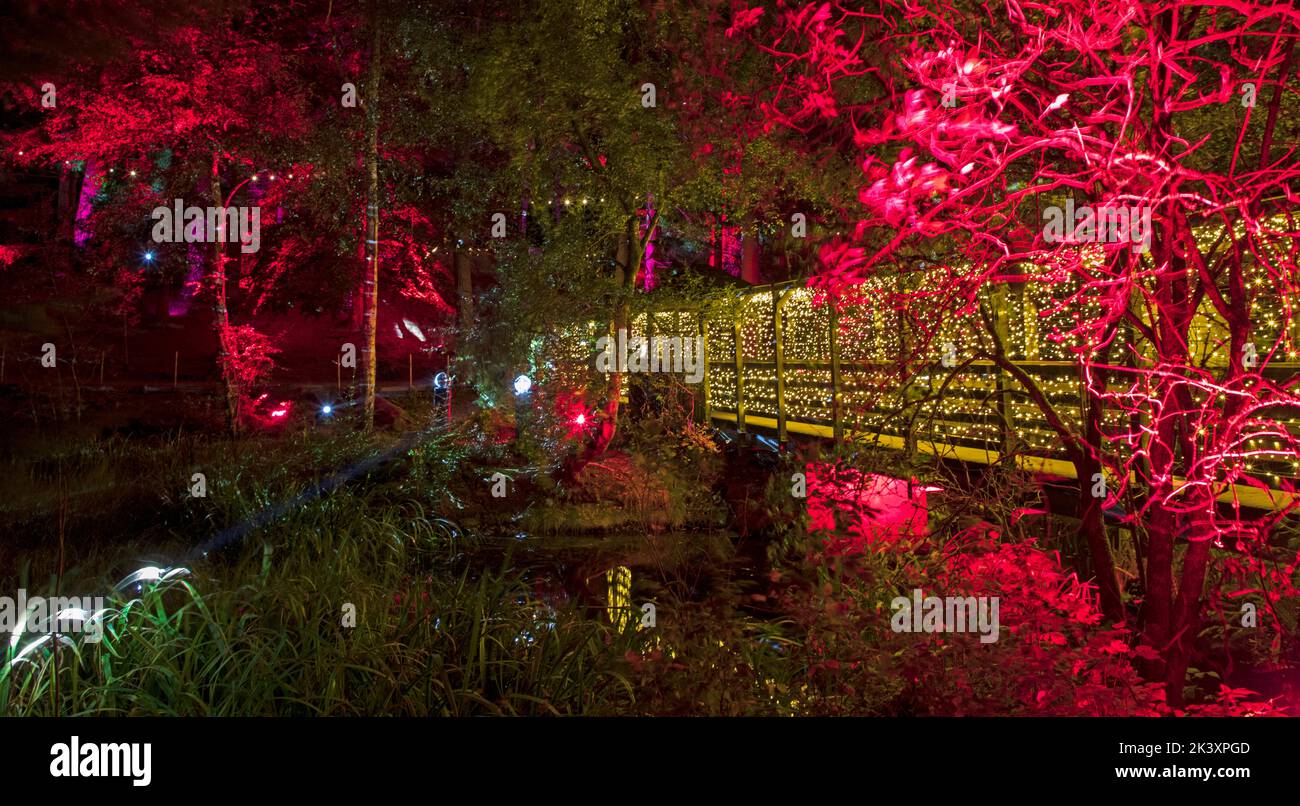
column 703, row 358
column 740, row 368
column 778, row 326
column 176, row 368
column 836, row 414
column 1001, row 322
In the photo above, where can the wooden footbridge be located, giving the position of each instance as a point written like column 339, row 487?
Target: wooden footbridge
column 780, row 361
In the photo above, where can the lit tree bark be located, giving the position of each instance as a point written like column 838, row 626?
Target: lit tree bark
column 614, row 389
column 628, row 261
column 370, row 286
column 227, row 350
column 749, row 256
column 1092, row 525
column 464, row 289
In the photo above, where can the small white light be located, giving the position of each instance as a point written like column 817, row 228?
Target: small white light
column 522, row 384
column 326, row 409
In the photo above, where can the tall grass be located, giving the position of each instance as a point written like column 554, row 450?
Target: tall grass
column 263, row 627
column 277, row 646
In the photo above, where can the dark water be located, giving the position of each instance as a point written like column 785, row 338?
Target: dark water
column 596, row 573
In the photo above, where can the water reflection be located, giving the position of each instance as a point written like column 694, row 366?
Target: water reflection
column 626, row 580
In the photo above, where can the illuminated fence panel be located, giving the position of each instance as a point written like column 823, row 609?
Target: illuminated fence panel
column 721, row 344
column 866, row 333
column 757, row 329
column 760, row 390
column 569, row 355
column 806, row 357
column 758, row 342
column 809, row 395
column 1047, row 322
column 720, row 347
column 870, row 407
column 722, row 387
column 1059, row 383
column 677, row 323
column 807, row 330
column 637, row 327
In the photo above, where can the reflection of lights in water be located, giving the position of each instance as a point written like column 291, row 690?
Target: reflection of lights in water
column 619, row 581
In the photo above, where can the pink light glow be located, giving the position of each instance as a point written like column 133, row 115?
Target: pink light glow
column 857, row 511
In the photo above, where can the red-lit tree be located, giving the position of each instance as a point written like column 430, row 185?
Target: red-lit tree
column 1001, row 118
column 182, row 117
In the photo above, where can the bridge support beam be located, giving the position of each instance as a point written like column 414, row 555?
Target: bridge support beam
column 1003, row 382
column 703, row 358
column 740, row 367
column 778, row 326
column 837, row 408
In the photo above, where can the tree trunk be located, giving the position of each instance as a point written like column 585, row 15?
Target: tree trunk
column 1186, row 618
column 464, row 289
column 749, row 256
column 1166, row 624
column 1092, row 524
column 1092, row 528
column 370, row 286
column 227, row 352
column 614, row 389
